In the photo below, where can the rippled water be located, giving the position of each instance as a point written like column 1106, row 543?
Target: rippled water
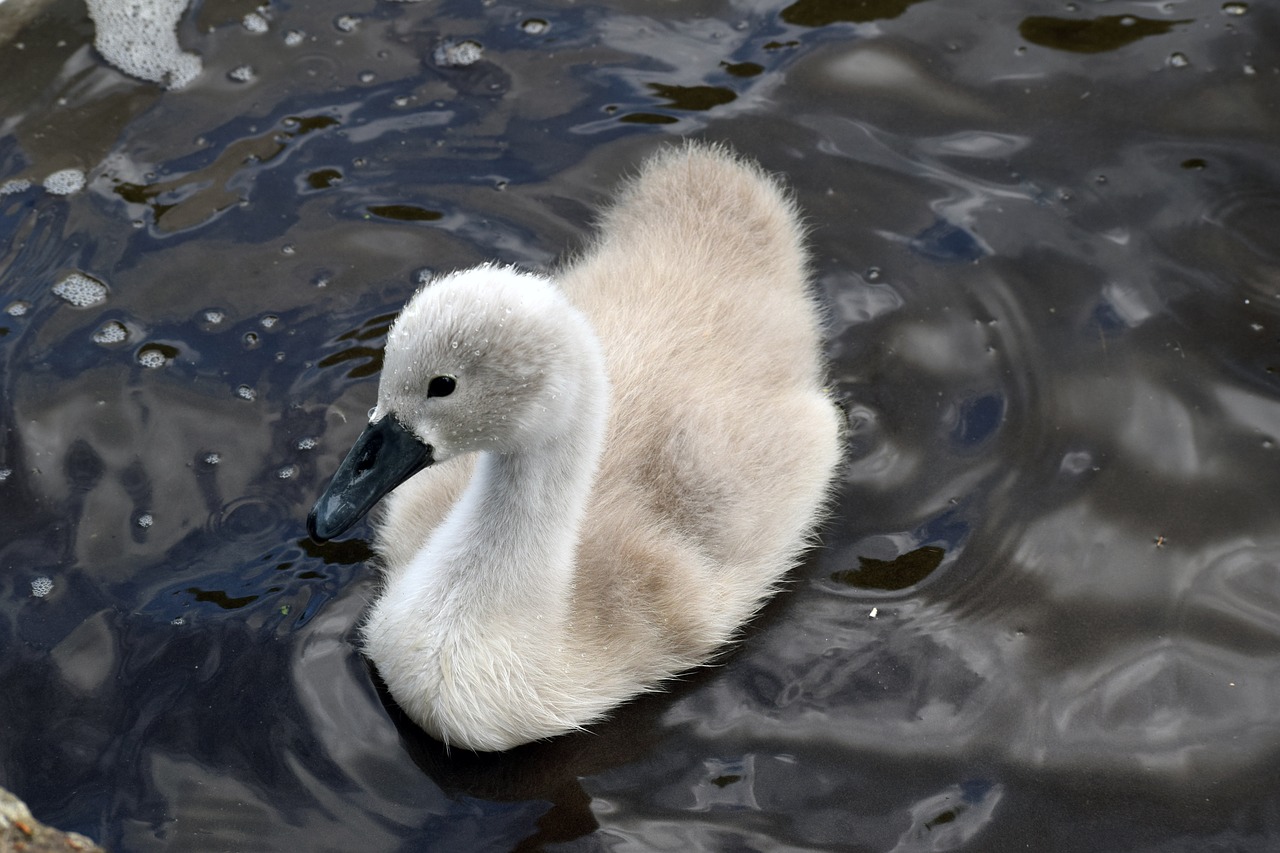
column 1046, row 612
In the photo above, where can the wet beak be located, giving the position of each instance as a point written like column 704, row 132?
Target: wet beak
column 384, row 456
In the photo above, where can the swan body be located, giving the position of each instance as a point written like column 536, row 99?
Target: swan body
column 624, row 458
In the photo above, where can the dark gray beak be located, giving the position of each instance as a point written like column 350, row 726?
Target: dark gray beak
column 384, row 456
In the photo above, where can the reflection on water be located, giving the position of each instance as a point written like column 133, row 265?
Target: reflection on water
column 1045, row 609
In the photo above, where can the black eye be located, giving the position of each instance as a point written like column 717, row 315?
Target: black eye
column 441, row 386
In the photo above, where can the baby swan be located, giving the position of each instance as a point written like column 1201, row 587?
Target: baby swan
column 624, row 459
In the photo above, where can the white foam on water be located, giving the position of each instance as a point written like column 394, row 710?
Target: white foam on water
column 41, row 586
column 65, row 182
column 255, row 23
column 242, row 74
column 140, row 38
column 458, row 54
column 112, row 332
column 293, row 38
column 17, row 309
column 81, row 290
column 16, row 185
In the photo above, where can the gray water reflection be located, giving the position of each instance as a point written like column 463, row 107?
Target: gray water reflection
column 1052, row 284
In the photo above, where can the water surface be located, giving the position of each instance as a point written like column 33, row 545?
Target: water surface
column 1045, row 612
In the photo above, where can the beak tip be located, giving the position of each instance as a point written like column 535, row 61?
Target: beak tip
column 312, row 528
column 321, row 524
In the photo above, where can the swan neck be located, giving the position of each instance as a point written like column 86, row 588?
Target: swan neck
column 521, row 515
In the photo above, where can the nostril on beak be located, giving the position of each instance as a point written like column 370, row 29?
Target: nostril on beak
column 369, row 457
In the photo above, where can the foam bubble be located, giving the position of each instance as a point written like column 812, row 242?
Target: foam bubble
column 17, row 309
column 112, row 332
column 5, row 473
column 307, row 443
column 347, row 23
column 16, row 185
column 255, row 23
column 242, row 74
column 140, row 38
column 244, row 392
column 152, row 358
column 81, row 290
column 458, row 54
column 293, row 38
column 146, row 520
column 65, row 182
column 41, row 586
column 287, row 472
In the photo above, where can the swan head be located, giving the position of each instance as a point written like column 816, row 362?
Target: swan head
column 487, row 359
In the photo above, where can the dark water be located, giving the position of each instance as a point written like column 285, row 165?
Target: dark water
column 1046, row 613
